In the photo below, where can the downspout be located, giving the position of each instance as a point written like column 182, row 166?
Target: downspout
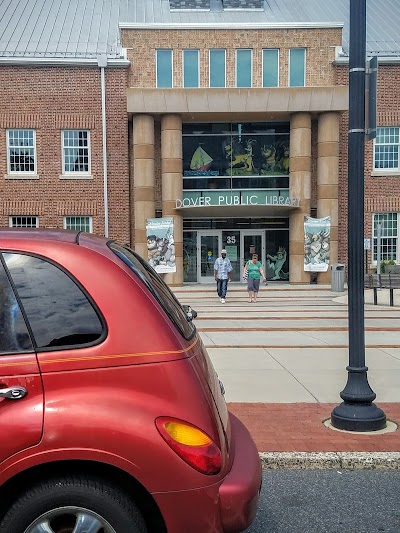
column 102, row 63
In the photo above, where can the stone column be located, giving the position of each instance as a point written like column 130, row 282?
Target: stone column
column 328, row 177
column 143, row 179
column 300, row 186
column 171, row 184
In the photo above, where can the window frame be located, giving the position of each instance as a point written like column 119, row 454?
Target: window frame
column 183, row 68
column 374, row 258
column 18, row 173
column 388, row 170
column 209, row 68
column 89, row 217
column 172, row 67
column 263, row 67
column 251, row 68
column 11, row 225
column 79, row 173
column 304, row 66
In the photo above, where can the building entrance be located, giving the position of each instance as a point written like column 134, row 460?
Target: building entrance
column 239, row 245
column 201, row 247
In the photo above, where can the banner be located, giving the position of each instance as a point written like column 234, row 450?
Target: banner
column 160, row 244
column 317, row 232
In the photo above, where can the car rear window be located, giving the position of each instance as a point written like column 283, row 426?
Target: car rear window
column 157, row 287
column 59, row 313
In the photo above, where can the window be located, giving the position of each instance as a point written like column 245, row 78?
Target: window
column 244, row 68
column 190, row 68
column 78, row 223
column 248, row 155
column 76, row 151
column 297, row 62
column 164, row 68
column 217, row 67
column 59, row 313
column 386, row 149
column 389, row 236
column 270, row 66
column 14, row 336
column 157, row 287
column 23, row 222
column 21, row 151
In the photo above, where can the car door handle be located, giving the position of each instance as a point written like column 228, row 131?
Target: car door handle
column 13, row 393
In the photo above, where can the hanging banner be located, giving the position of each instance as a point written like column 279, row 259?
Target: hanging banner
column 317, row 232
column 160, row 244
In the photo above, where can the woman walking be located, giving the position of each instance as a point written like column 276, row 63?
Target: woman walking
column 254, row 272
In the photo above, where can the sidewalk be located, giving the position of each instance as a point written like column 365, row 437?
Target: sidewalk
column 283, row 363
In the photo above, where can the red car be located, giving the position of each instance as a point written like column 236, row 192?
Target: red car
column 112, row 417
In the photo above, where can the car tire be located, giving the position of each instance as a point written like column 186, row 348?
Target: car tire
column 59, row 500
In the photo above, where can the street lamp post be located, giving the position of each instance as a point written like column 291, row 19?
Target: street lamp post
column 357, row 412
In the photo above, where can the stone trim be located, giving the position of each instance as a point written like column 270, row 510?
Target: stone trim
column 229, row 100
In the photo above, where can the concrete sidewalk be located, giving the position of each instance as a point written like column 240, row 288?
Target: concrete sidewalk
column 283, row 363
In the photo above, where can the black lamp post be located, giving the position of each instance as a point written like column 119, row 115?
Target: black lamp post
column 357, row 412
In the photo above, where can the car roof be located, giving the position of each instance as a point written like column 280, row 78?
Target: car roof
column 55, row 234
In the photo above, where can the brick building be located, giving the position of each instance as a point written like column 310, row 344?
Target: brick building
column 228, row 116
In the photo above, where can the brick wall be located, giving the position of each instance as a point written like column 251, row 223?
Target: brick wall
column 49, row 99
column 320, row 44
column 382, row 194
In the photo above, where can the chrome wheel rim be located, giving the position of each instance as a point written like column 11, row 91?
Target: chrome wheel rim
column 70, row 520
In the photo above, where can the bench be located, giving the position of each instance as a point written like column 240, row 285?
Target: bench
column 389, row 281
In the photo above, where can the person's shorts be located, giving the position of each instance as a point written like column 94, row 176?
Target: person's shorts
column 253, row 285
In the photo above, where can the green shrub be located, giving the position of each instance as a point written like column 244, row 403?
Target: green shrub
column 388, row 262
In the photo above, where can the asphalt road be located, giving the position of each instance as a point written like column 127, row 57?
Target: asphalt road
column 329, row 501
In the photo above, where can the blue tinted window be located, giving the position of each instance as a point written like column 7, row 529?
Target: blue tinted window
column 190, row 68
column 217, row 67
column 297, row 67
column 243, row 68
column 164, row 68
column 271, row 67
column 58, row 311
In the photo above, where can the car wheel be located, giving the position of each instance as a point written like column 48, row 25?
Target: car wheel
column 73, row 505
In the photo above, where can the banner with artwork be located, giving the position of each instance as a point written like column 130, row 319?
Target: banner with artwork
column 317, row 233
column 160, row 244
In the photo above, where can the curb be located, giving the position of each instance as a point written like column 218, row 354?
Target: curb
column 330, row 460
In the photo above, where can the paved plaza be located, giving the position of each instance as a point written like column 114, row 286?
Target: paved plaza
column 283, row 361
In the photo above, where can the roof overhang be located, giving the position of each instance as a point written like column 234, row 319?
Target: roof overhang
column 227, row 25
column 60, row 62
column 342, row 57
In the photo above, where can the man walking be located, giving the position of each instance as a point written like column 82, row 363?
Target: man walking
column 222, row 274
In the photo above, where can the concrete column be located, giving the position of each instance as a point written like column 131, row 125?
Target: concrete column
column 328, row 177
column 143, row 179
column 300, row 186
column 171, row 184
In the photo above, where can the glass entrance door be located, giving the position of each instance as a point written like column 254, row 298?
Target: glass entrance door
column 252, row 242
column 207, row 252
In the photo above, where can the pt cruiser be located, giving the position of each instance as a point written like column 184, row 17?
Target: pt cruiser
column 113, row 419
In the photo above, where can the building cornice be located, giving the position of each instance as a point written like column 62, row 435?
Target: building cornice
column 60, row 62
column 231, row 100
column 227, row 25
column 341, row 58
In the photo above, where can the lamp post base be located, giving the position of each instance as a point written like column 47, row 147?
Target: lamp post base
column 358, row 417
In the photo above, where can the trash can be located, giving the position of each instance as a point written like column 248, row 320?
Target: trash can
column 337, row 277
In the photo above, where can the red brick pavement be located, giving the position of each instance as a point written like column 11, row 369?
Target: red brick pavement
column 298, row 427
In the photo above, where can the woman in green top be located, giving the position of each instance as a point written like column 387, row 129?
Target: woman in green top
column 255, row 272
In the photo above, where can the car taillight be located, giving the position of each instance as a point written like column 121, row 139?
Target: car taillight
column 194, row 446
